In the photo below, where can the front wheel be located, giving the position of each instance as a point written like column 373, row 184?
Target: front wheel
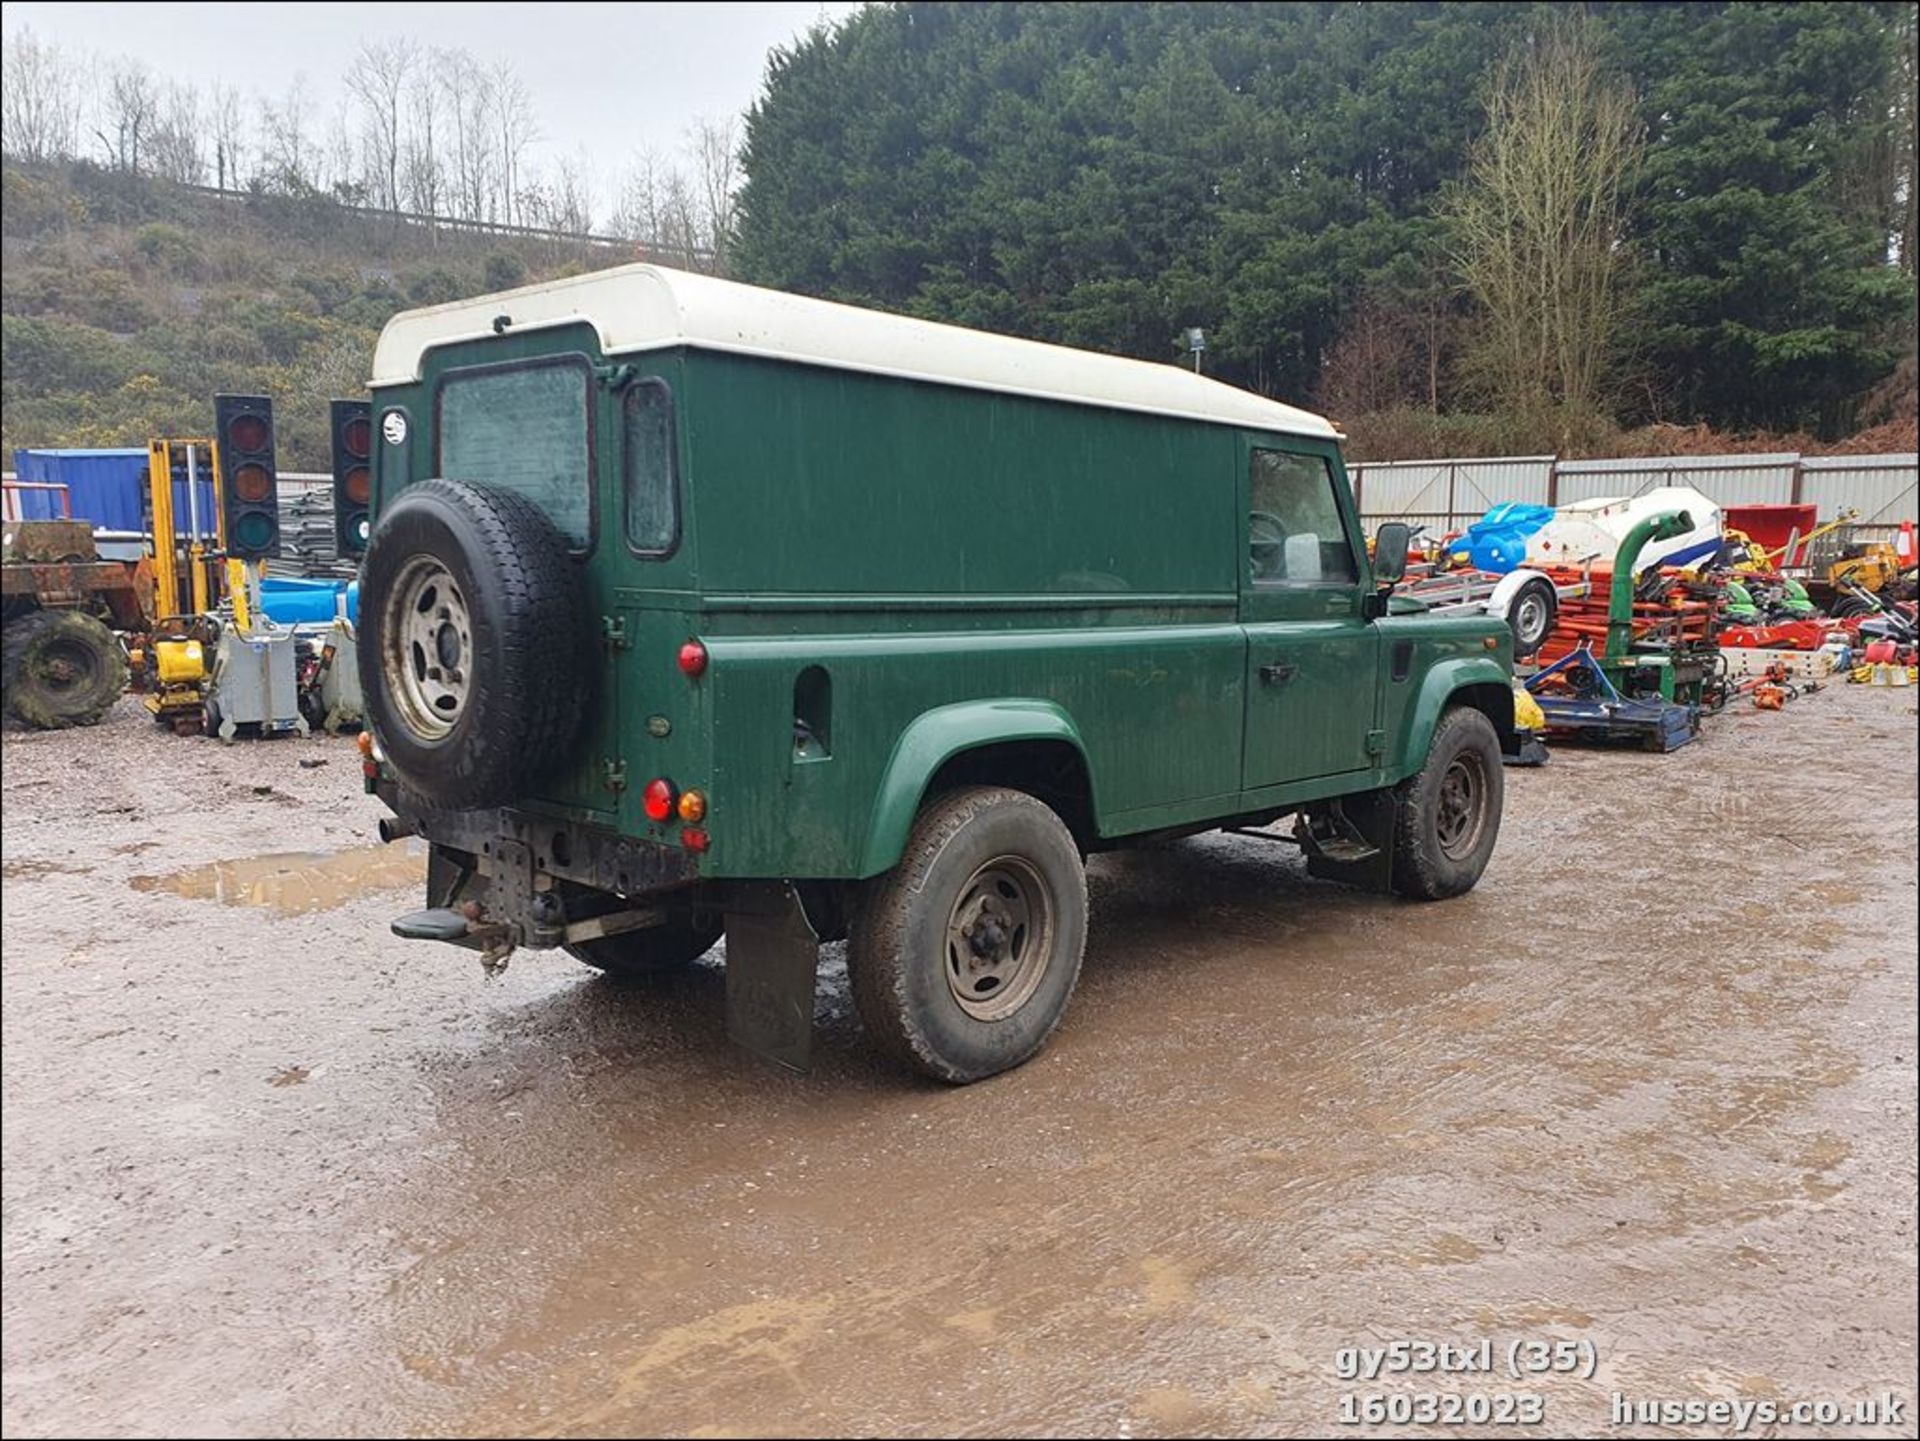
column 60, row 668
column 1449, row 814
column 963, row 956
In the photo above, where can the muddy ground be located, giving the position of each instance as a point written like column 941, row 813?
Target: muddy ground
column 1651, row 1087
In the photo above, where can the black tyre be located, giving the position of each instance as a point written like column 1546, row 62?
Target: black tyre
column 1450, row 811
column 1848, row 605
column 60, row 668
column 1531, row 617
column 650, row 950
column 963, row 956
column 473, row 636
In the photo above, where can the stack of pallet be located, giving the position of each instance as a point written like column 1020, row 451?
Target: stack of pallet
column 1685, row 610
column 307, row 544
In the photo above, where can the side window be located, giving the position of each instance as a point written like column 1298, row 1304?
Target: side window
column 1294, row 534
column 653, row 511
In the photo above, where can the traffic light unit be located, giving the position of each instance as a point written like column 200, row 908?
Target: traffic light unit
column 352, row 475
column 249, row 479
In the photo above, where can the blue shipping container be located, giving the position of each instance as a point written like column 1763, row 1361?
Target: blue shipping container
column 107, row 488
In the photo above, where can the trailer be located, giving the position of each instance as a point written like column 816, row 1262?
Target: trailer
column 1527, row 600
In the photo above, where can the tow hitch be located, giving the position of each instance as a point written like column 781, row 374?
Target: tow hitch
column 497, row 940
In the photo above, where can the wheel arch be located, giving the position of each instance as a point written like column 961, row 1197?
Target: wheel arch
column 1028, row 745
column 1482, row 683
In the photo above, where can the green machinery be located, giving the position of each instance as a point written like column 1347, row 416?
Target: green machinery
column 1649, row 690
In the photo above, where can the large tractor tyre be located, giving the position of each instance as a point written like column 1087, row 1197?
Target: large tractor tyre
column 473, row 643
column 651, row 950
column 1449, row 814
column 1531, row 617
column 60, row 668
column 963, row 956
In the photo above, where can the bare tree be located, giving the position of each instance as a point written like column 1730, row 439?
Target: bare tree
column 377, row 79
column 179, row 144
column 345, row 175
column 715, row 149
column 639, row 207
column 1375, row 364
column 572, row 195
column 39, row 100
column 1538, row 230
column 130, row 111
column 513, row 119
column 223, row 119
column 467, row 91
column 422, row 176
column 289, row 156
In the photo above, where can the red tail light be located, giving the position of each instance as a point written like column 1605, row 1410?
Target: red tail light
column 694, row 839
column 693, row 659
column 658, row 799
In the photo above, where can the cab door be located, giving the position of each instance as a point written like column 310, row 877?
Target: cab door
column 1312, row 653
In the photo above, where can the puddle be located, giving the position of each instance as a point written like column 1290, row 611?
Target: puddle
column 296, row 882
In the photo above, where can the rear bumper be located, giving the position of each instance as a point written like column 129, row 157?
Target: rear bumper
column 588, row 855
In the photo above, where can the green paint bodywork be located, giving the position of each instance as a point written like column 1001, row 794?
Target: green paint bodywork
column 935, row 570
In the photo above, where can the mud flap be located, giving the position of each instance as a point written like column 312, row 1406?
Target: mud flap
column 772, row 956
column 1350, row 839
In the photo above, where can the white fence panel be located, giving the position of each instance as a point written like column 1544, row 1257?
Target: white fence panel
column 1435, row 489
column 1728, row 479
column 1449, row 494
column 1882, row 489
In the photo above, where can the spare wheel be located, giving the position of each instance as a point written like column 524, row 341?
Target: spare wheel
column 472, row 634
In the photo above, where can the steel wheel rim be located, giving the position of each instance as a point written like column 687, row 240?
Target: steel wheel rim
column 1460, row 815
column 1532, row 620
column 999, row 939
column 65, row 666
column 428, row 652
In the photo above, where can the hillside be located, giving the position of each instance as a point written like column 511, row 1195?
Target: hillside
column 128, row 302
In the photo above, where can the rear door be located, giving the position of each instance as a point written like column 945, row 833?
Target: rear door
column 533, row 419
column 1311, row 652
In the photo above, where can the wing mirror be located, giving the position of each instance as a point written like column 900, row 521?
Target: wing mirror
column 1390, row 544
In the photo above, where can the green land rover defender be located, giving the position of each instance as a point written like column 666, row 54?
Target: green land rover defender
column 692, row 609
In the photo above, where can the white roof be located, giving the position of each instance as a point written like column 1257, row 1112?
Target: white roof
column 648, row 307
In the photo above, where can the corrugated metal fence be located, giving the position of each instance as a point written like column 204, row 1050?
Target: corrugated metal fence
column 1447, row 494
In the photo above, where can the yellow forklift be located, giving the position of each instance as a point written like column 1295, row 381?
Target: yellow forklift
column 172, row 662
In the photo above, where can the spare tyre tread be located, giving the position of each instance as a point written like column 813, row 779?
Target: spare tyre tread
column 524, row 712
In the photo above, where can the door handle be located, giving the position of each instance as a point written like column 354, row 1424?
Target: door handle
column 1279, row 672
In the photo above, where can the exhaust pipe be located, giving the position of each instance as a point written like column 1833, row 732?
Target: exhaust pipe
column 395, row 828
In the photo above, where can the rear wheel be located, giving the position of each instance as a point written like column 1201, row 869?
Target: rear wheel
column 1450, row 812
column 61, row 668
column 649, row 950
column 963, row 956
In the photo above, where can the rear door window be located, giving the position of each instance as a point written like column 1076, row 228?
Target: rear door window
column 524, row 428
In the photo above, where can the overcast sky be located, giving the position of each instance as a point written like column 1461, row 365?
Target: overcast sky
column 606, row 79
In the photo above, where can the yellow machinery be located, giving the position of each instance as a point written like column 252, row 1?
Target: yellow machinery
column 190, row 553
column 1873, row 566
column 174, row 660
